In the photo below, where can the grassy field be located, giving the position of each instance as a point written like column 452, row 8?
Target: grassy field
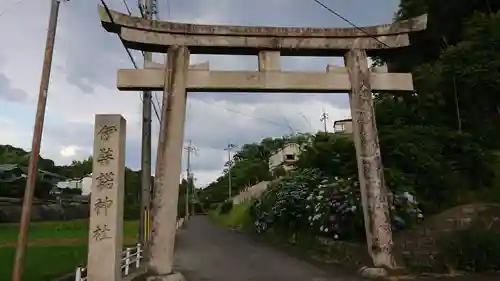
column 54, row 248
column 238, row 216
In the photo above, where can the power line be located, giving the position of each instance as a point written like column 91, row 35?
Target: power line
column 143, row 53
column 121, row 40
column 168, row 8
column 106, row 8
column 147, row 103
column 190, row 150
column 157, row 17
column 127, row 7
column 249, row 116
column 349, row 22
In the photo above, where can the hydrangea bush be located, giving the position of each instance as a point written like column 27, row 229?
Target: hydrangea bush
column 307, row 201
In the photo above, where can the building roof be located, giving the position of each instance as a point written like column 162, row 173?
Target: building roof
column 8, row 167
column 342, row 121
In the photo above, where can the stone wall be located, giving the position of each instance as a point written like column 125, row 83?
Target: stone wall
column 45, row 212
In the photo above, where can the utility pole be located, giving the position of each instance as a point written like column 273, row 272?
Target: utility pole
column 147, row 11
column 229, row 149
column 324, row 119
column 17, row 270
column 194, row 196
column 190, row 149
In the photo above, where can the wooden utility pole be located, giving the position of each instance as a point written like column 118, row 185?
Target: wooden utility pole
column 229, row 148
column 190, row 149
column 35, row 146
column 146, row 186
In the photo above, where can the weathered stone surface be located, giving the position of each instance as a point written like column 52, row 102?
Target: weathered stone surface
column 373, row 272
column 122, row 20
column 107, row 191
column 269, row 61
column 374, row 193
column 197, row 66
column 155, row 35
column 168, row 163
column 249, row 45
column 255, row 81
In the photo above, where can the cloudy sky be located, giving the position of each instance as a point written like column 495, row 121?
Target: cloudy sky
column 86, row 59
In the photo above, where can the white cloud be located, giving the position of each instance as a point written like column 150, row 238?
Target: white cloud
column 69, row 151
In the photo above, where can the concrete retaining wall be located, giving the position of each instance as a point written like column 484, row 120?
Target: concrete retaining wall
column 251, row 192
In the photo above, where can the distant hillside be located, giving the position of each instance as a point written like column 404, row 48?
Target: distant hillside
column 13, row 170
column 14, row 155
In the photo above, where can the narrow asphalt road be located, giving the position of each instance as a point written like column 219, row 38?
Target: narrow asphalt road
column 205, row 252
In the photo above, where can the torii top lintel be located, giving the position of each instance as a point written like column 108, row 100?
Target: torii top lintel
column 157, row 36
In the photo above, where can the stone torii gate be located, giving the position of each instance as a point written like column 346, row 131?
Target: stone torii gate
column 176, row 78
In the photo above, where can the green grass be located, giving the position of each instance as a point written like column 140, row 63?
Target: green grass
column 56, row 258
column 57, row 230
column 44, row 263
column 239, row 216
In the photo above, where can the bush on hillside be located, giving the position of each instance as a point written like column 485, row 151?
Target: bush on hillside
column 278, row 172
column 225, row 207
column 476, row 247
column 443, row 167
column 308, row 201
column 475, row 250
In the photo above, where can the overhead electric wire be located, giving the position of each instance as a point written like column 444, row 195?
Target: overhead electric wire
column 121, row 40
column 135, row 65
column 103, row 2
column 127, row 7
column 349, row 22
column 250, row 116
column 168, row 9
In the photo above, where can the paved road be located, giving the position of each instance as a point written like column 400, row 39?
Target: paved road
column 205, row 252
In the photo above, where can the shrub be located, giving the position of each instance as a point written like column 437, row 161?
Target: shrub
column 308, row 201
column 239, row 216
column 279, row 172
column 225, row 207
column 473, row 250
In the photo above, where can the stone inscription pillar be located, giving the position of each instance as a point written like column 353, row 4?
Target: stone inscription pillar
column 371, row 175
column 106, row 205
column 168, row 164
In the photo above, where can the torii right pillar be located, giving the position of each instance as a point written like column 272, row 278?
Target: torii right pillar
column 374, row 193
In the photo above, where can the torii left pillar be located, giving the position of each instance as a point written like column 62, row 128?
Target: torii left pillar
column 168, row 167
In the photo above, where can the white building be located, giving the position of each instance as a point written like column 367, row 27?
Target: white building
column 343, row 126
column 285, row 157
column 83, row 183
